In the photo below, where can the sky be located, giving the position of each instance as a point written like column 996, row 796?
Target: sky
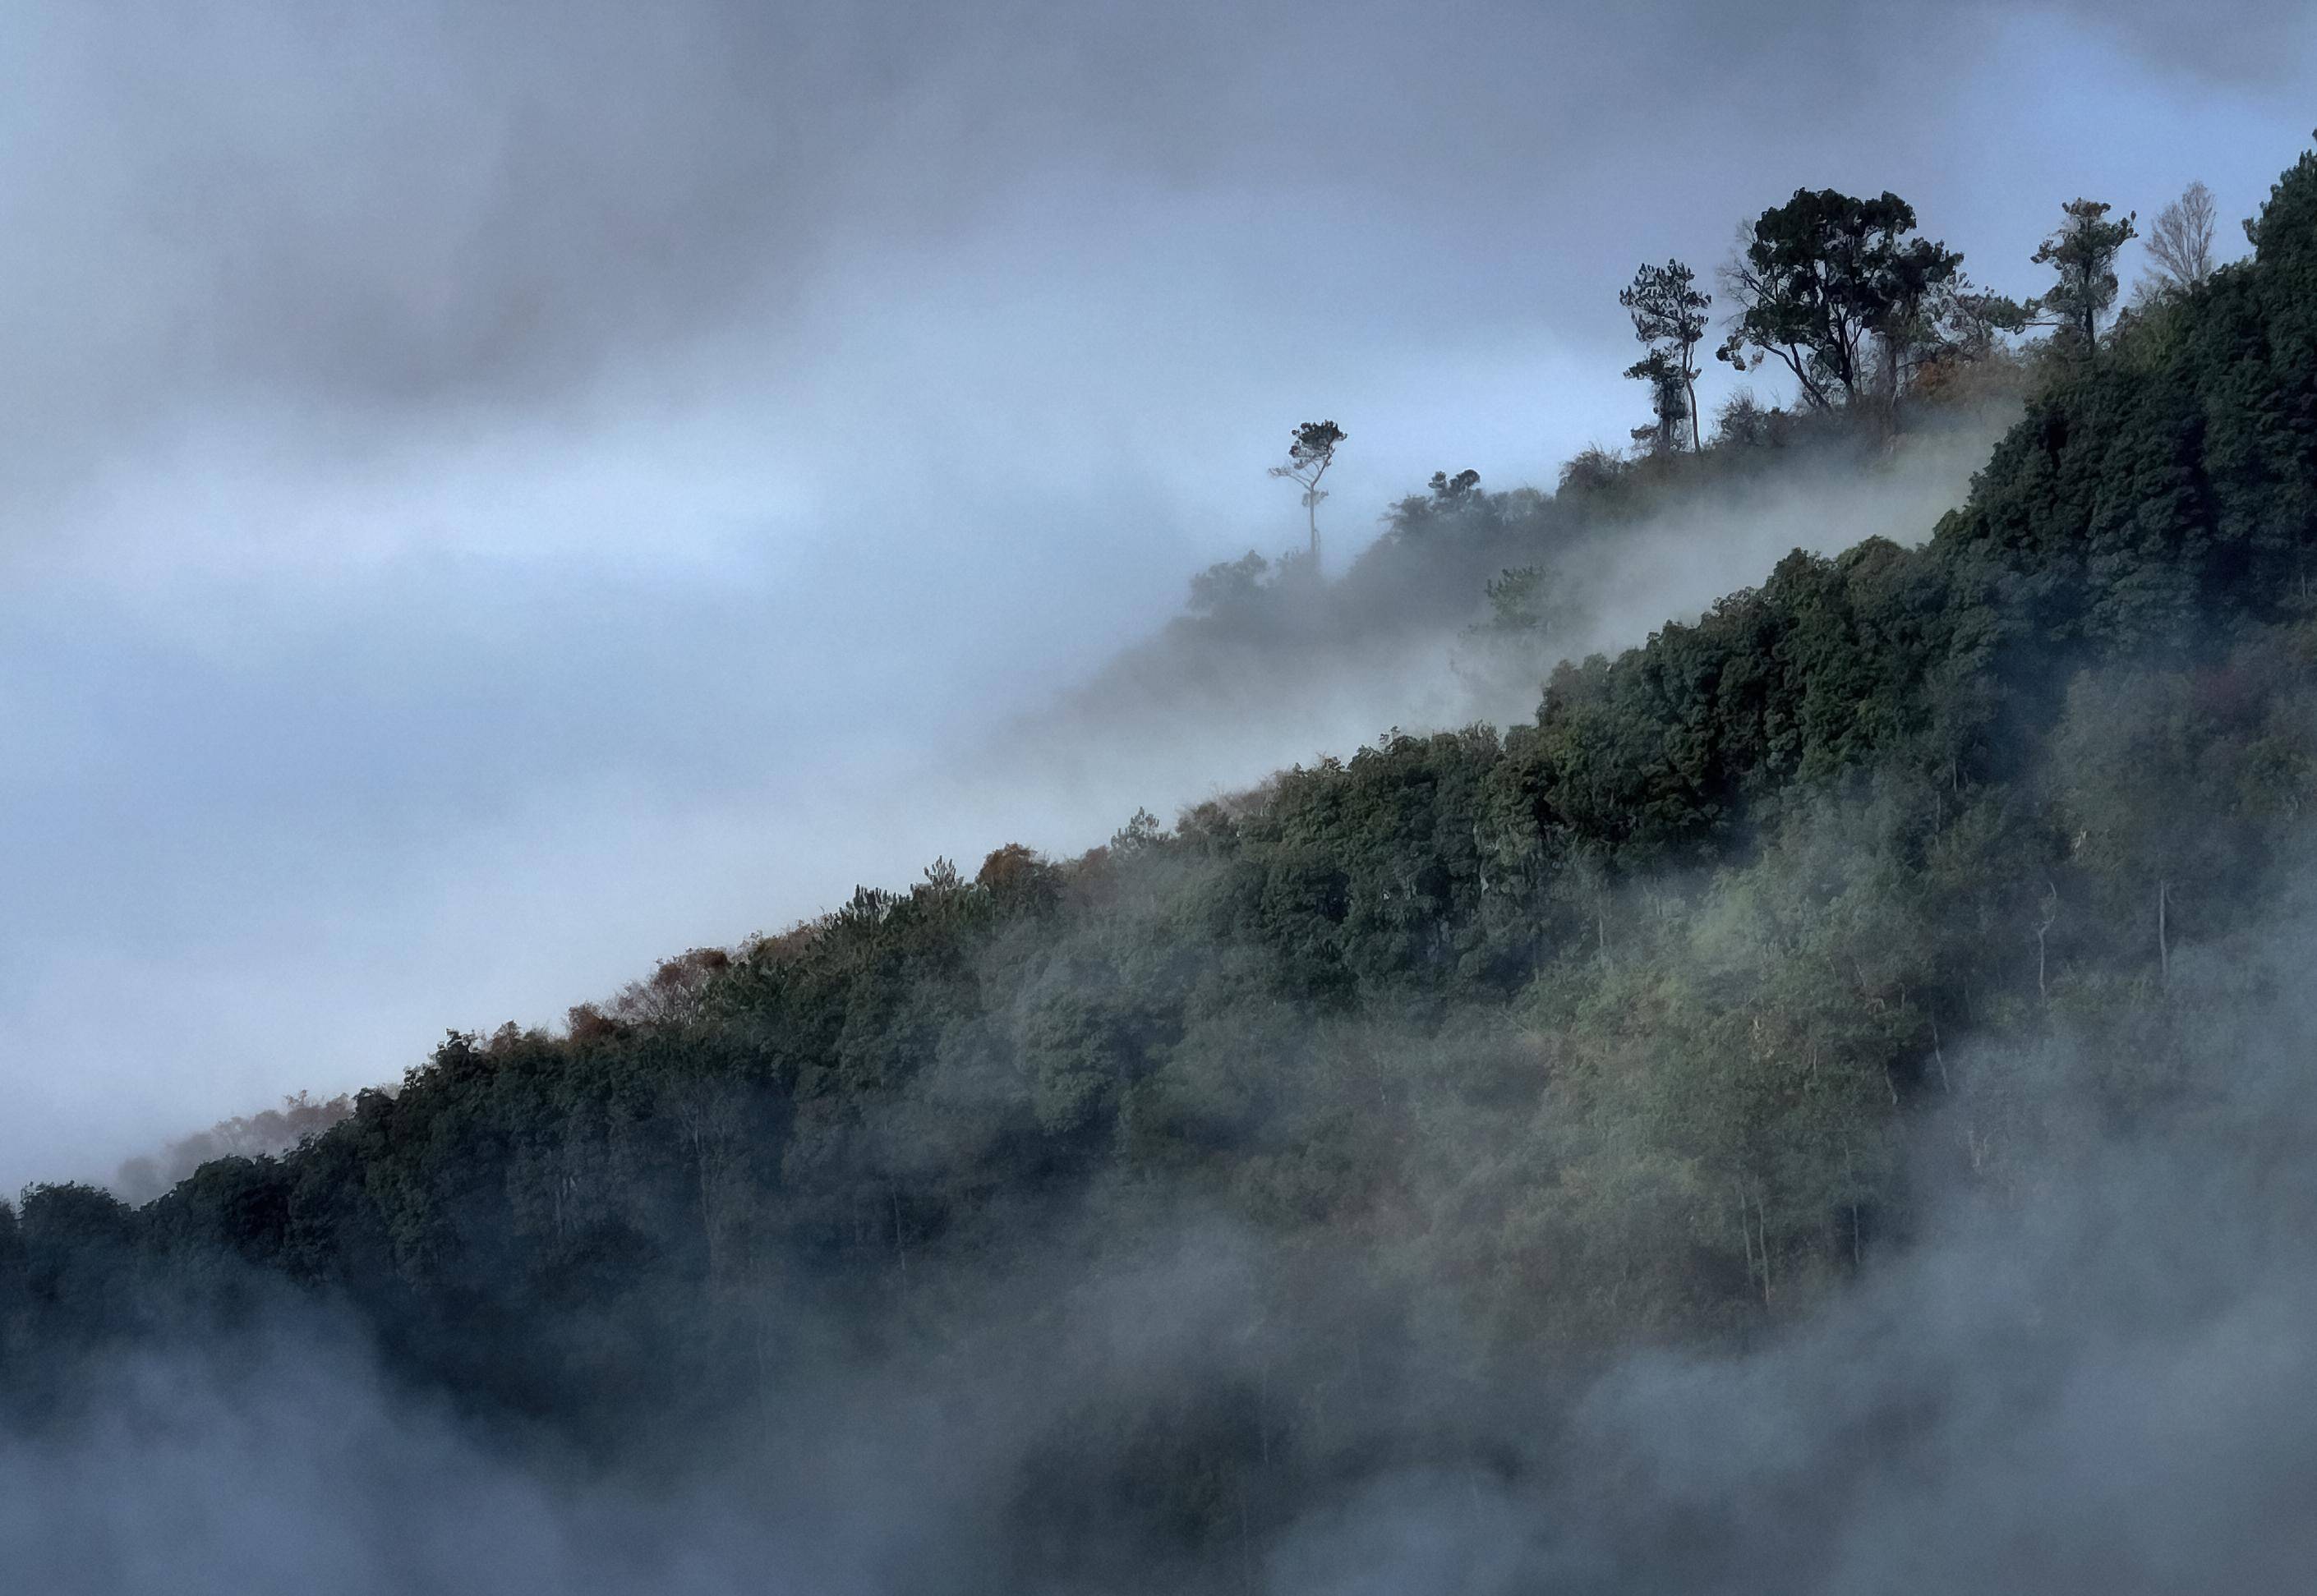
column 490, row 496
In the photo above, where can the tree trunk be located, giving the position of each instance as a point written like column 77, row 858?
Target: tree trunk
column 1762, row 1217
column 2163, row 942
column 2051, row 917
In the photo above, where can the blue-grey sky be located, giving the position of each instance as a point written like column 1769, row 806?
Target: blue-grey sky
column 493, row 494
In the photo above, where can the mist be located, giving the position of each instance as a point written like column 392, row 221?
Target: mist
column 2080, row 1375
column 450, row 476
column 657, row 599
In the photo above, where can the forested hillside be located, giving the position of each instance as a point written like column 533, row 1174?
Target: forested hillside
column 1351, row 1124
column 1468, row 594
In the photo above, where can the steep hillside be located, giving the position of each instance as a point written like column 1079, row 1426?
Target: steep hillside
column 1346, row 1127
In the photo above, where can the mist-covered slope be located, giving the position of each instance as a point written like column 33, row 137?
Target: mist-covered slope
column 1458, row 608
column 1826, row 1103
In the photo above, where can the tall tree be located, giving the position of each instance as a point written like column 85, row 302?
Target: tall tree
column 1669, row 311
column 2082, row 250
column 1820, row 278
column 1932, row 312
column 1668, row 401
column 1310, row 454
column 2180, row 242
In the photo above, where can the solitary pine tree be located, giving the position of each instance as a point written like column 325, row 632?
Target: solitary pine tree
column 2082, row 250
column 1309, row 456
column 1669, row 311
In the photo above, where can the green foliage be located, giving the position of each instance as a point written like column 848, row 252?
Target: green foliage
column 1669, row 311
column 1819, row 278
column 1668, row 401
column 80, row 1259
column 1230, row 588
column 1609, row 1025
column 2081, row 251
column 1515, row 600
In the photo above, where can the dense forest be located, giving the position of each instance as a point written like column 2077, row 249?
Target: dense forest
column 1350, row 1127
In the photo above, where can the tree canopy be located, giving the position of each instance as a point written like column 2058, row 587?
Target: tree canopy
column 1669, row 311
column 1819, row 279
column 2081, row 251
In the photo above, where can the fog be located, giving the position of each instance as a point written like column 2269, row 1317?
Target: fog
column 490, row 499
column 494, row 497
column 2081, row 1377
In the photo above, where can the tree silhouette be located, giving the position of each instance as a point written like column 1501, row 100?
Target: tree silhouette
column 1309, row 456
column 1669, row 311
column 1819, row 279
column 2083, row 249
